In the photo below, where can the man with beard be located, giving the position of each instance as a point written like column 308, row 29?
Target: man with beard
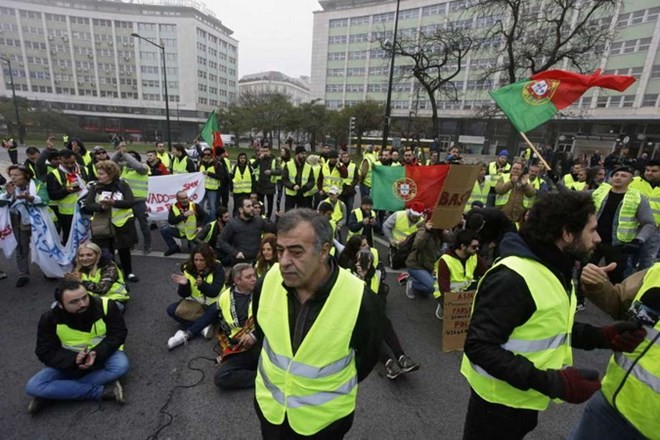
column 80, row 340
column 240, row 239
column 518, row 352
column 64, row 185
column 242, row 181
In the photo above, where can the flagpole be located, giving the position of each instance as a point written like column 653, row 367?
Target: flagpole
column 531, row 145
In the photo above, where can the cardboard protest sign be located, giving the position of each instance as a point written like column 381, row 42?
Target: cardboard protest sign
column 455, row 193
column 456, row 321
column 163, row 189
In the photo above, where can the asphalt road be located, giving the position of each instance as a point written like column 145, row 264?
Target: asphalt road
column 429, row 403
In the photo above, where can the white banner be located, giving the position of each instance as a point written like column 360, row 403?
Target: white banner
column 7, row 239
column 163, row 189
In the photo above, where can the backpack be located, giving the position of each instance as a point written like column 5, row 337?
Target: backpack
column 399, row 254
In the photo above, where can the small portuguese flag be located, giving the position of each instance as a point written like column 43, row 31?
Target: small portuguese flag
column 211, row 131
column 396, row 188
column 533, row 101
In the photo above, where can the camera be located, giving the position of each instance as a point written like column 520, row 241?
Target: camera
column 643, row 314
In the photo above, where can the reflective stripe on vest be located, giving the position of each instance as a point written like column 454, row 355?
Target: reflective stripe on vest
column 195, row 293
column 479, row 193
column 293, row 176
column 402, row 227
column 180, row 165
column 139, row 183
column 242, row 181
column 66, row 205
column 117, row 291
column 652, row 193
column 331, row 178
column 460, row 276
column 318, row 384
column 545, row 339
column 229, row 317
column 188, row 227
column 636, row 396
column 210, row 183
column 371, row 160
column 77, row 340
column 210, row 233
column 627, row 224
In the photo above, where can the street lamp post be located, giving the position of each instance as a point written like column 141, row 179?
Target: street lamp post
column 13, row 94
column 388, row 111
column 161, row 46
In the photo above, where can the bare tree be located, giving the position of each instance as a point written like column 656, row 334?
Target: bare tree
column 437, row 57
column 531, row 37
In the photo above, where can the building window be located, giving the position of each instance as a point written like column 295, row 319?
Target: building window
column 355, row 71
column 384, row 18
column 343, row 22
column 336, row 72
column 337, row 39
column 356, row 21
column 336, row 56
column 357, row 55
column 650, row 100
column 433, row 10
column 409, row 13
column 334, row 88
column 359, row 38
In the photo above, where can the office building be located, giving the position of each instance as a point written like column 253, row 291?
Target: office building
column 297, row 89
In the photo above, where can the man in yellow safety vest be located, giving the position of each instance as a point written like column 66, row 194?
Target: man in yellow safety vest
column 80, row 340
column 649, row 185
column 518, row 351
column 307, row 382
column 184, row 220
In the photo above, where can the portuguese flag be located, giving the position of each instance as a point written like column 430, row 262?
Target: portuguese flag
column 395, row 188
column 533, row 101
column 211, row 131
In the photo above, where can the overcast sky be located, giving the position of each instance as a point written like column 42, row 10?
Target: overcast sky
column 272, row 34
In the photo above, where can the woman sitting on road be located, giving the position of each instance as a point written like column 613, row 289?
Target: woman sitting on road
column 267, row 255
column 199, row 285
column 99, row 274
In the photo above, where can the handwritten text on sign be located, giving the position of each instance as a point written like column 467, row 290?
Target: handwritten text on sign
column 458, row 307
column 163, row 189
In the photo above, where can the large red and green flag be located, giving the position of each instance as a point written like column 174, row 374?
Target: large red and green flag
column 211, row 131
column 533, row 101
column 396, row 188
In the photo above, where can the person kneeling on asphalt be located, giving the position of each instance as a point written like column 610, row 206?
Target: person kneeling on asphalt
column 80, row 340
column 238, row 344
column 199, row 286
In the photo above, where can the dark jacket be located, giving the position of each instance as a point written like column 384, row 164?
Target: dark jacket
column 264, row 185
column 174, row 219
column 367, row 333
column 426, row 250
column 304, row 186
column 49, row 347
column 240, row 235
column 211, row 290
column 496, row 225
column 116, row 186
column 57, row 191
column 504, row 302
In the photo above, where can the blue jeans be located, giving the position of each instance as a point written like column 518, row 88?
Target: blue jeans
column 211, row 316
column 169, row 233
column 210, row 197
column 423, row 281
column 364, row 191
column 601, row 421
column 54, row 384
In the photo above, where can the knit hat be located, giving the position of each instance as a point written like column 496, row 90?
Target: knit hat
column 300, row 149
column 417, row 209
column 503, row 153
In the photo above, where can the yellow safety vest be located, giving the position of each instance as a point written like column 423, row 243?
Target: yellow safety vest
column 529, row 201
column 492, row 168
column 119, row 216
column 87, row 158
column 350, row 174
column 480, row 192
column 371, row 160
column 66, row 205
column 210, row 183
column 77, row 340
column 627, row 223
column 242, row 182
column 117, row 291
column 226, row 303
column 337, row 213
column 293, row 175
column 194, row 290
column 545, row 339
column 315, row 175
column 359, row 217
column 502, row 199
column 568, row 180
column 402, row 227
column 652, row 193
column 210, row 233
column 188, row 227
column 577, row 186
column 139, row 183
column 318, row 384
column 165, row 158
column 632, row 380
column 331, row 178
column 460, row 276
column 180, row 165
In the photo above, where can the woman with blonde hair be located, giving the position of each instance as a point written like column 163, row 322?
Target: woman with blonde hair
column 99, row 274
column 111, row 200
column 267, row 256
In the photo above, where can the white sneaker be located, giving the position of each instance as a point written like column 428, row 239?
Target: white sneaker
column 180, row 337
column 207, row 332
column 439, row 312
column 410, row 292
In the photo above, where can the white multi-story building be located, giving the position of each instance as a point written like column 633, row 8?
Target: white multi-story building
column 79, row 56
column 297, row 89
column 349, row 66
